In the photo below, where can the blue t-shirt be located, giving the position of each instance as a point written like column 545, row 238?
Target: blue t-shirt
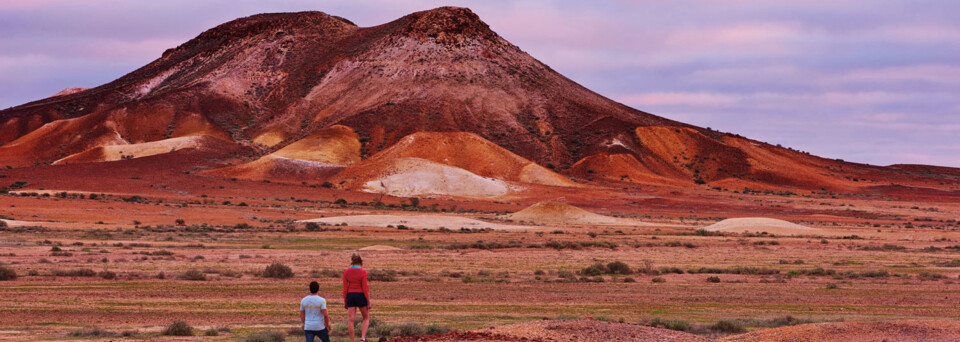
column 311, row 306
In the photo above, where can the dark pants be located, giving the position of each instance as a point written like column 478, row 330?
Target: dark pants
column 322, row 334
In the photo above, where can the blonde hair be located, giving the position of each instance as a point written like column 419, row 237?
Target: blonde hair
column 355, row 259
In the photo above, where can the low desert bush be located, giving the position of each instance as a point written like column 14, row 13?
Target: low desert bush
column 594, row 270
column 713, row 279
column 193, row 275
column 619, row 267
column 278, row 270
column 178, row 328
column 382, row 275
column 109, row 275
column 658, row 280
column 82, row 272
column 94, row 332
column 7, row 273
column 265, row 336
column 672, row 324
column 728, row 327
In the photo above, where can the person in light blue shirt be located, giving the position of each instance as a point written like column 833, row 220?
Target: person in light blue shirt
column 313, row 315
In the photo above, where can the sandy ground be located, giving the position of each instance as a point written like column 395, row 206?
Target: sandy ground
column 591, row 330
column 905, row 331
column 889, row 259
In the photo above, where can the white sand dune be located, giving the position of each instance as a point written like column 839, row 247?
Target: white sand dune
column 380, row 248
column 417, row 177
column 413, row 221
column 759, row 224
column 561, row 213
column 16, row 223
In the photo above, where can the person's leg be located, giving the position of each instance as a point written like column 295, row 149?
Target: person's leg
column 309, row 335
column 365, row 312
column 351, row 315
column 324, row 335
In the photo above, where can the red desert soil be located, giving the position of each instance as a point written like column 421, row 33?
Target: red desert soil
column 901, row 331
column 563, row 331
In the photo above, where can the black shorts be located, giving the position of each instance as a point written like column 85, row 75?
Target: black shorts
column 356, row 300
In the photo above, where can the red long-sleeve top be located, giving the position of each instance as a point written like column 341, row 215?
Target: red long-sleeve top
column 355, row 281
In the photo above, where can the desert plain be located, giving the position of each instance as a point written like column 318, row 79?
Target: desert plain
column 113, row 255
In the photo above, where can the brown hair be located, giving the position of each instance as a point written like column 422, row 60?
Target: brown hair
column 355, row 259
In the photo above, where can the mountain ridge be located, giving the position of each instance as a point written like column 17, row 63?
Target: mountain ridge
column 267, row 81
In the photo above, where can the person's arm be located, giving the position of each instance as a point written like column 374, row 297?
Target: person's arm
column 345, row 283
column 366, row 289
column 345, row 288
column 326, row 320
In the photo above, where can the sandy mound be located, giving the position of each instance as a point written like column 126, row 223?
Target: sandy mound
column 418, row 177
column 336, row 144
column 314, row 158
column 759, row 224
column 130, row 151
column 380, row 248
column 473, row 153
column 941, row 330
column 412, row 221
column 562, row 213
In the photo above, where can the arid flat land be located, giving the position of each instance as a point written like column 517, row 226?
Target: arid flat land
column 120, row 261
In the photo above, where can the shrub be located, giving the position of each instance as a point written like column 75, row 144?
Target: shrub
column 382, row 275
column 672, row 324
column 408, row 329
column 728, row 326
column 619, row 267
column 265, row 336
column 278, row 270
column 595, row 270
column 312, row 226
column 107, row 275
column 931, row 276
column 713, row 279
column 95, row 332
column 211, row 332
column 7, row 273
column 658, row 280
column 83, row 272
column 832, row 286
column 193, row 275
column 178, row 328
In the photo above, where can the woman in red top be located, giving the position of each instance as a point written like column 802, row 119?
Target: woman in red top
column 356, row 294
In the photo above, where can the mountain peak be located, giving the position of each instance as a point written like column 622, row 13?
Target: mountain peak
column 447, row 25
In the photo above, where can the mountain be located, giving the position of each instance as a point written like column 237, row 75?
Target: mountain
column 268, row 86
